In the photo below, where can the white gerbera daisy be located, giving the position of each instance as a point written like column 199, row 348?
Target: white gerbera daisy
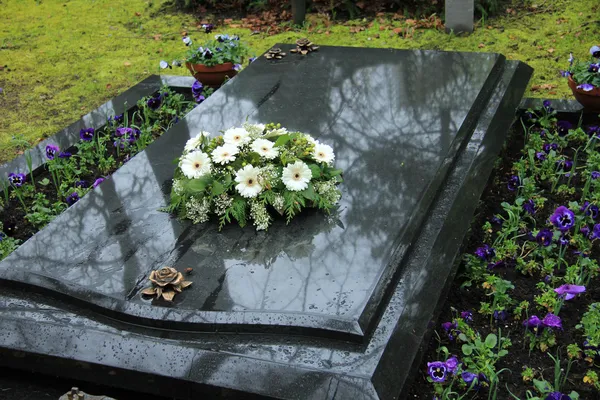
column 311, row 140
column 247, row 179
column 236, row 136
column 296, row 176
column 323, row 153
column 195, row 164
column 224, row 154
column 196, row 141
column 265, row 148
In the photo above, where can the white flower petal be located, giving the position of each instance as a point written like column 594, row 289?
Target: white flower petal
column 323, row 153
column 224, row 154
column 265, row 148
column 247, row 178
column 236, row 136
column 296, row 176
column 195, row 164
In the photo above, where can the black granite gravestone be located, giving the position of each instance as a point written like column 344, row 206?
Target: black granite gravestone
column 326, row 307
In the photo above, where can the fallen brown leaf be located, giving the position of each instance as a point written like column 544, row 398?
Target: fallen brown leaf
column 481, row 45
column 550, row 50
column 137, row 14
column 108, row 86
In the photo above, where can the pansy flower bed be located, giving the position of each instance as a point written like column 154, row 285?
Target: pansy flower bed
column 31, row 199
column 522, row 320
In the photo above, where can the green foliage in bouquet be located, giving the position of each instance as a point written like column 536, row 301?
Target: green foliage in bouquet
column 250, row 170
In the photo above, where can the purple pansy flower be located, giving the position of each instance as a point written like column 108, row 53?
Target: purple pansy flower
column 586, row 87
column 595, row 175
column 87, row 134
column 563, row 73
column 496, row 220
column 186, row 40
column 485, row 252
column 207, row 28
column 437, row 371
column 547, row 278
column 500, row 315
column 595, row 51
column 51, row 151
column 197, row 87
column 540, row 155
column 533, row 322
column 595, row 232
column 585, row 230
column 467, row 316
column 562, row 127
column 452, row 364
column 571, row 59
column 154, row 102
column 550, row 146
column 569, row 291
column 252, row 59
column 199, row 98
column 552, row 321
column 450, row 329
column 565, row 165
column 563, row 241
column 164, row 65
column 17, row 180
column 544, row 237
column 591, row 210
column 557, row 396
column 513, row 183
column 207, row 54
column 72, row 198
column 593, row 130
column 529, row 206
column 547, row 106
column 563, row 218
column 593, row 68
column 98, row 181
column 82, row 184
column 237, row 67
column 64, row 154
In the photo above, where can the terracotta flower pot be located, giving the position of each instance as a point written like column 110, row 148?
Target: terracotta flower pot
column 589, row 100
column 212, row 76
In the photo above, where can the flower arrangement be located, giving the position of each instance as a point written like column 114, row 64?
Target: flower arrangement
column 586, row 74
column 249, row 169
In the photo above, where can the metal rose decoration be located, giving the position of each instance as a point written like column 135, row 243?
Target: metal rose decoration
column 304, row 46
column 275, row 54
column 167, row 282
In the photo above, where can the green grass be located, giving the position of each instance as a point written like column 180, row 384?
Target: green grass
column 68, row 57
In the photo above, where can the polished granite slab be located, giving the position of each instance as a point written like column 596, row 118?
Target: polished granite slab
column 331, row 303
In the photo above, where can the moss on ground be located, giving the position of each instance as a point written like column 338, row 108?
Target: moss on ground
column 66, row 58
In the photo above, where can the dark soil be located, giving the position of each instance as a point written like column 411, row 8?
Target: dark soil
column 470, row 298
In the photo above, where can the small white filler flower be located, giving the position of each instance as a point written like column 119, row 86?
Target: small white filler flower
column 196, row 141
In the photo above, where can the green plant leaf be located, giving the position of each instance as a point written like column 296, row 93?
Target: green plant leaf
column 316, row 171
column 281, row 140
column 44, row 182
column 462, row 337
column 217, row 188
column 491, row 341
column 194, row 186
column 309, row 192
column 467, row 349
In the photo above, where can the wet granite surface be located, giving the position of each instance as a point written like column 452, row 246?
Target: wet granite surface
column 329, row 307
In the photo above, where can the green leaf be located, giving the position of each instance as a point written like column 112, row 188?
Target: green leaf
column 281, row 140
column 44, row 182
column 462, row 337
column 316, row 171
column 334, row 172
column 194, row 186
column 542, row 386
column 467, row 349
column 217, row 188
column 309, row 192
column 491, row 341
column 228, row 179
